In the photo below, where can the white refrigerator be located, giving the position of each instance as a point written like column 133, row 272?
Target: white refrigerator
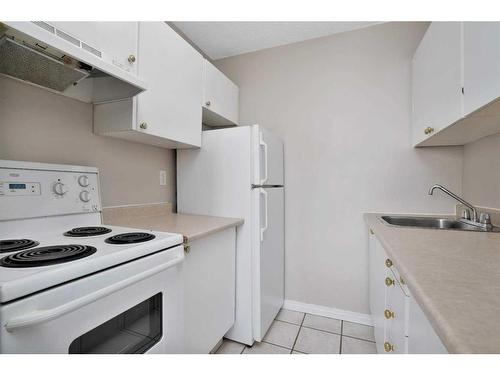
column 238, row 172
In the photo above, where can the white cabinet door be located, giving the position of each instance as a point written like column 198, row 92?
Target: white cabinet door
column 168, row 113
column 422, row 339
column 437, row 80
column 481, row 64
column 220, row 98
column 397, row 303
column 209, row 274
column 116, row 40
column 170, row 107
column 377, row 277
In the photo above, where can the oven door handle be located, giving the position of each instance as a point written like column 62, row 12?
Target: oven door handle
column 42, row 316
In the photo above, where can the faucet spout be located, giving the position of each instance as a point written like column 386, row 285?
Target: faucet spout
column 457, row 198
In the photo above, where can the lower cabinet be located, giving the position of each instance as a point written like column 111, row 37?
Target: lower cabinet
column 209, row 290
column 422, row 338
column 399, row 323
column 395, row 316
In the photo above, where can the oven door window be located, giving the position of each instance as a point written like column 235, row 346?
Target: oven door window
column 133, row 331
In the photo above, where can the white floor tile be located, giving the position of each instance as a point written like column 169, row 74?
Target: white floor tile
column 359, row 331
column 290, row 316
column 282, row 334
column 265, row 348
column 325, row 324
column 230, row 347
column 317, row 342
column 355, row 346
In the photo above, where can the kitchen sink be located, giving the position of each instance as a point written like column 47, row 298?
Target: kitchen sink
column 433, row 223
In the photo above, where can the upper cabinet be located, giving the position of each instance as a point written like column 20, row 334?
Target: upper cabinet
column 169, row 113
column 481, row 64
column 116, row 40
column 220, row 97
column 437, row 80
column 456, row 83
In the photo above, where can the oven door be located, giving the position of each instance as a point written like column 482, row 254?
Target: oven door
column 132, row 308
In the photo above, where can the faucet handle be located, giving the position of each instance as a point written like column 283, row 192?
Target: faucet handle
column 466, row 214
column 484, row 218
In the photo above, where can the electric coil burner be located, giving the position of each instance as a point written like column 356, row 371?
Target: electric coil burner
column 7, row 246
column 47, row 255
column 130, row 238
column 87, row 231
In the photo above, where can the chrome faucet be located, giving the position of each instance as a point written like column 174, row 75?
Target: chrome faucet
column 456, row 197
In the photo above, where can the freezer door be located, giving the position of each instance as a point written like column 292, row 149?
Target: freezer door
column 269, row 257
column 268, row 159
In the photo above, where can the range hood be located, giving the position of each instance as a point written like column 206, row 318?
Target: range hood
column 40, row 54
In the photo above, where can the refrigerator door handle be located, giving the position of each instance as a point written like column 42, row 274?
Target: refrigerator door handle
column 264, row 228
column 264, row 145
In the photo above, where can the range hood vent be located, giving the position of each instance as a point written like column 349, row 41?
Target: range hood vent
column 40, row 54
column 20, row 61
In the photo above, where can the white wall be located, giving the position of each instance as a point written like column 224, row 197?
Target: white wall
column 36, row 125
column 481, row 177
column 342, row 105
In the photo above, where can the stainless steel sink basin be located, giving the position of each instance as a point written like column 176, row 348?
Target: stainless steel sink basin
column 433, row 223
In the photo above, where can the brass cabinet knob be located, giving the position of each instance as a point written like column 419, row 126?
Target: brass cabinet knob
column 207, row 103
column 388, row 314
column 131, row 59
column 389, row 281
column 143, row 125
column 388, row 347
column 428, row 130
column 401, row 280
column 388, row 262
column 371, row 231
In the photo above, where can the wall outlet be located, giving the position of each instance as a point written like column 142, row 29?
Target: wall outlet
column 163, row 178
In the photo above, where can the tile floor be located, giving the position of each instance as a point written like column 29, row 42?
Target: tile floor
column 294, row 332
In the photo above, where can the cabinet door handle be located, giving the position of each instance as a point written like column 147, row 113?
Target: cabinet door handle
column 428, row 130
column 131, row 59
column 207, row 103
column 143, row 125
column 388, row 347
column 388, row 314
column 388, row 263
column 389, row 281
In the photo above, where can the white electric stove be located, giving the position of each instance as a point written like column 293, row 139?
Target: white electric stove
column 68, row 283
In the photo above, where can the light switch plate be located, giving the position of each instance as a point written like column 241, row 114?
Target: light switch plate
column 163, row 178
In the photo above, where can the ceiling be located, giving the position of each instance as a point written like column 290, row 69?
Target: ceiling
column 224, row 39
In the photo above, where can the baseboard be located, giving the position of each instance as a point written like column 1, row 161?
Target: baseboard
column 328, row 312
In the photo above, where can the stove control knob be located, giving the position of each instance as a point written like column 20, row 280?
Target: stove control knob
column 83, row 181
column 84, row 196
column 59, row 188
